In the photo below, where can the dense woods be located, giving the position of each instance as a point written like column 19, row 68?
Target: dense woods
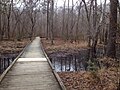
column 94, row 22
column 75, row 21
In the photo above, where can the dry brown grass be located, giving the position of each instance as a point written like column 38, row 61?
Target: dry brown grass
column 61, row 45
column 12, row 46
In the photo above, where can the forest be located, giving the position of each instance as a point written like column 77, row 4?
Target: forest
column 80, row 37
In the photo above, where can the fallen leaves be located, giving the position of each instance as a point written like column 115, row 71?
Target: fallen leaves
column 109, row 62
column 104, row 79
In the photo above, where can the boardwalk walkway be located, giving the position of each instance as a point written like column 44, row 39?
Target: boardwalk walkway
column 31, row 71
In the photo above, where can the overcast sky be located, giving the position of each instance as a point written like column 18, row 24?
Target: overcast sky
column 61, row 2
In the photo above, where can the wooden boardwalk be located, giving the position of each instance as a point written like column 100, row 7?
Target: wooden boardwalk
column 31, row 71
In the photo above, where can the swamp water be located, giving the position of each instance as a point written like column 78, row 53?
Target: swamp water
column 6, row 60
column 77, row 61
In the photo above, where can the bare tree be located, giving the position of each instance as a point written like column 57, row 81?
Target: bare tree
column 111, row 46
column 63, row 20
column 78, row 19
column 88, row 14
column 51, row 29
column 48, row 5
column 31, row 12
column 67, row 25
column 0, row 21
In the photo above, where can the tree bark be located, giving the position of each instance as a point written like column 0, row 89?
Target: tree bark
column 88, row 14
column 52, row 24
column 78, row 19
column 63, row 25
column 0, row 23
column 47, row 33
column 67, row 26
column 111, row 46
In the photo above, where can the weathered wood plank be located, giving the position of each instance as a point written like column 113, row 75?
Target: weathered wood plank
column 29, row 74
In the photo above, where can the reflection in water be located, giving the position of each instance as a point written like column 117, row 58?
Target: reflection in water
column 72, row 62
column 68, row 64
column 5, row 61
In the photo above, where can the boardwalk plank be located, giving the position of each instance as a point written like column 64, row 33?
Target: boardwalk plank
column 27, row 74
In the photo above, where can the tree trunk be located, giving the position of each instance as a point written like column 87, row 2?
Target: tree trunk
column 63, row 25
column 52, row 26
column 78, row 19
column 8, row 17
column 47, row 33
column 0, row 23
column 111, row 46
column 88, row 14
column 72, row 24
column 67, row 26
